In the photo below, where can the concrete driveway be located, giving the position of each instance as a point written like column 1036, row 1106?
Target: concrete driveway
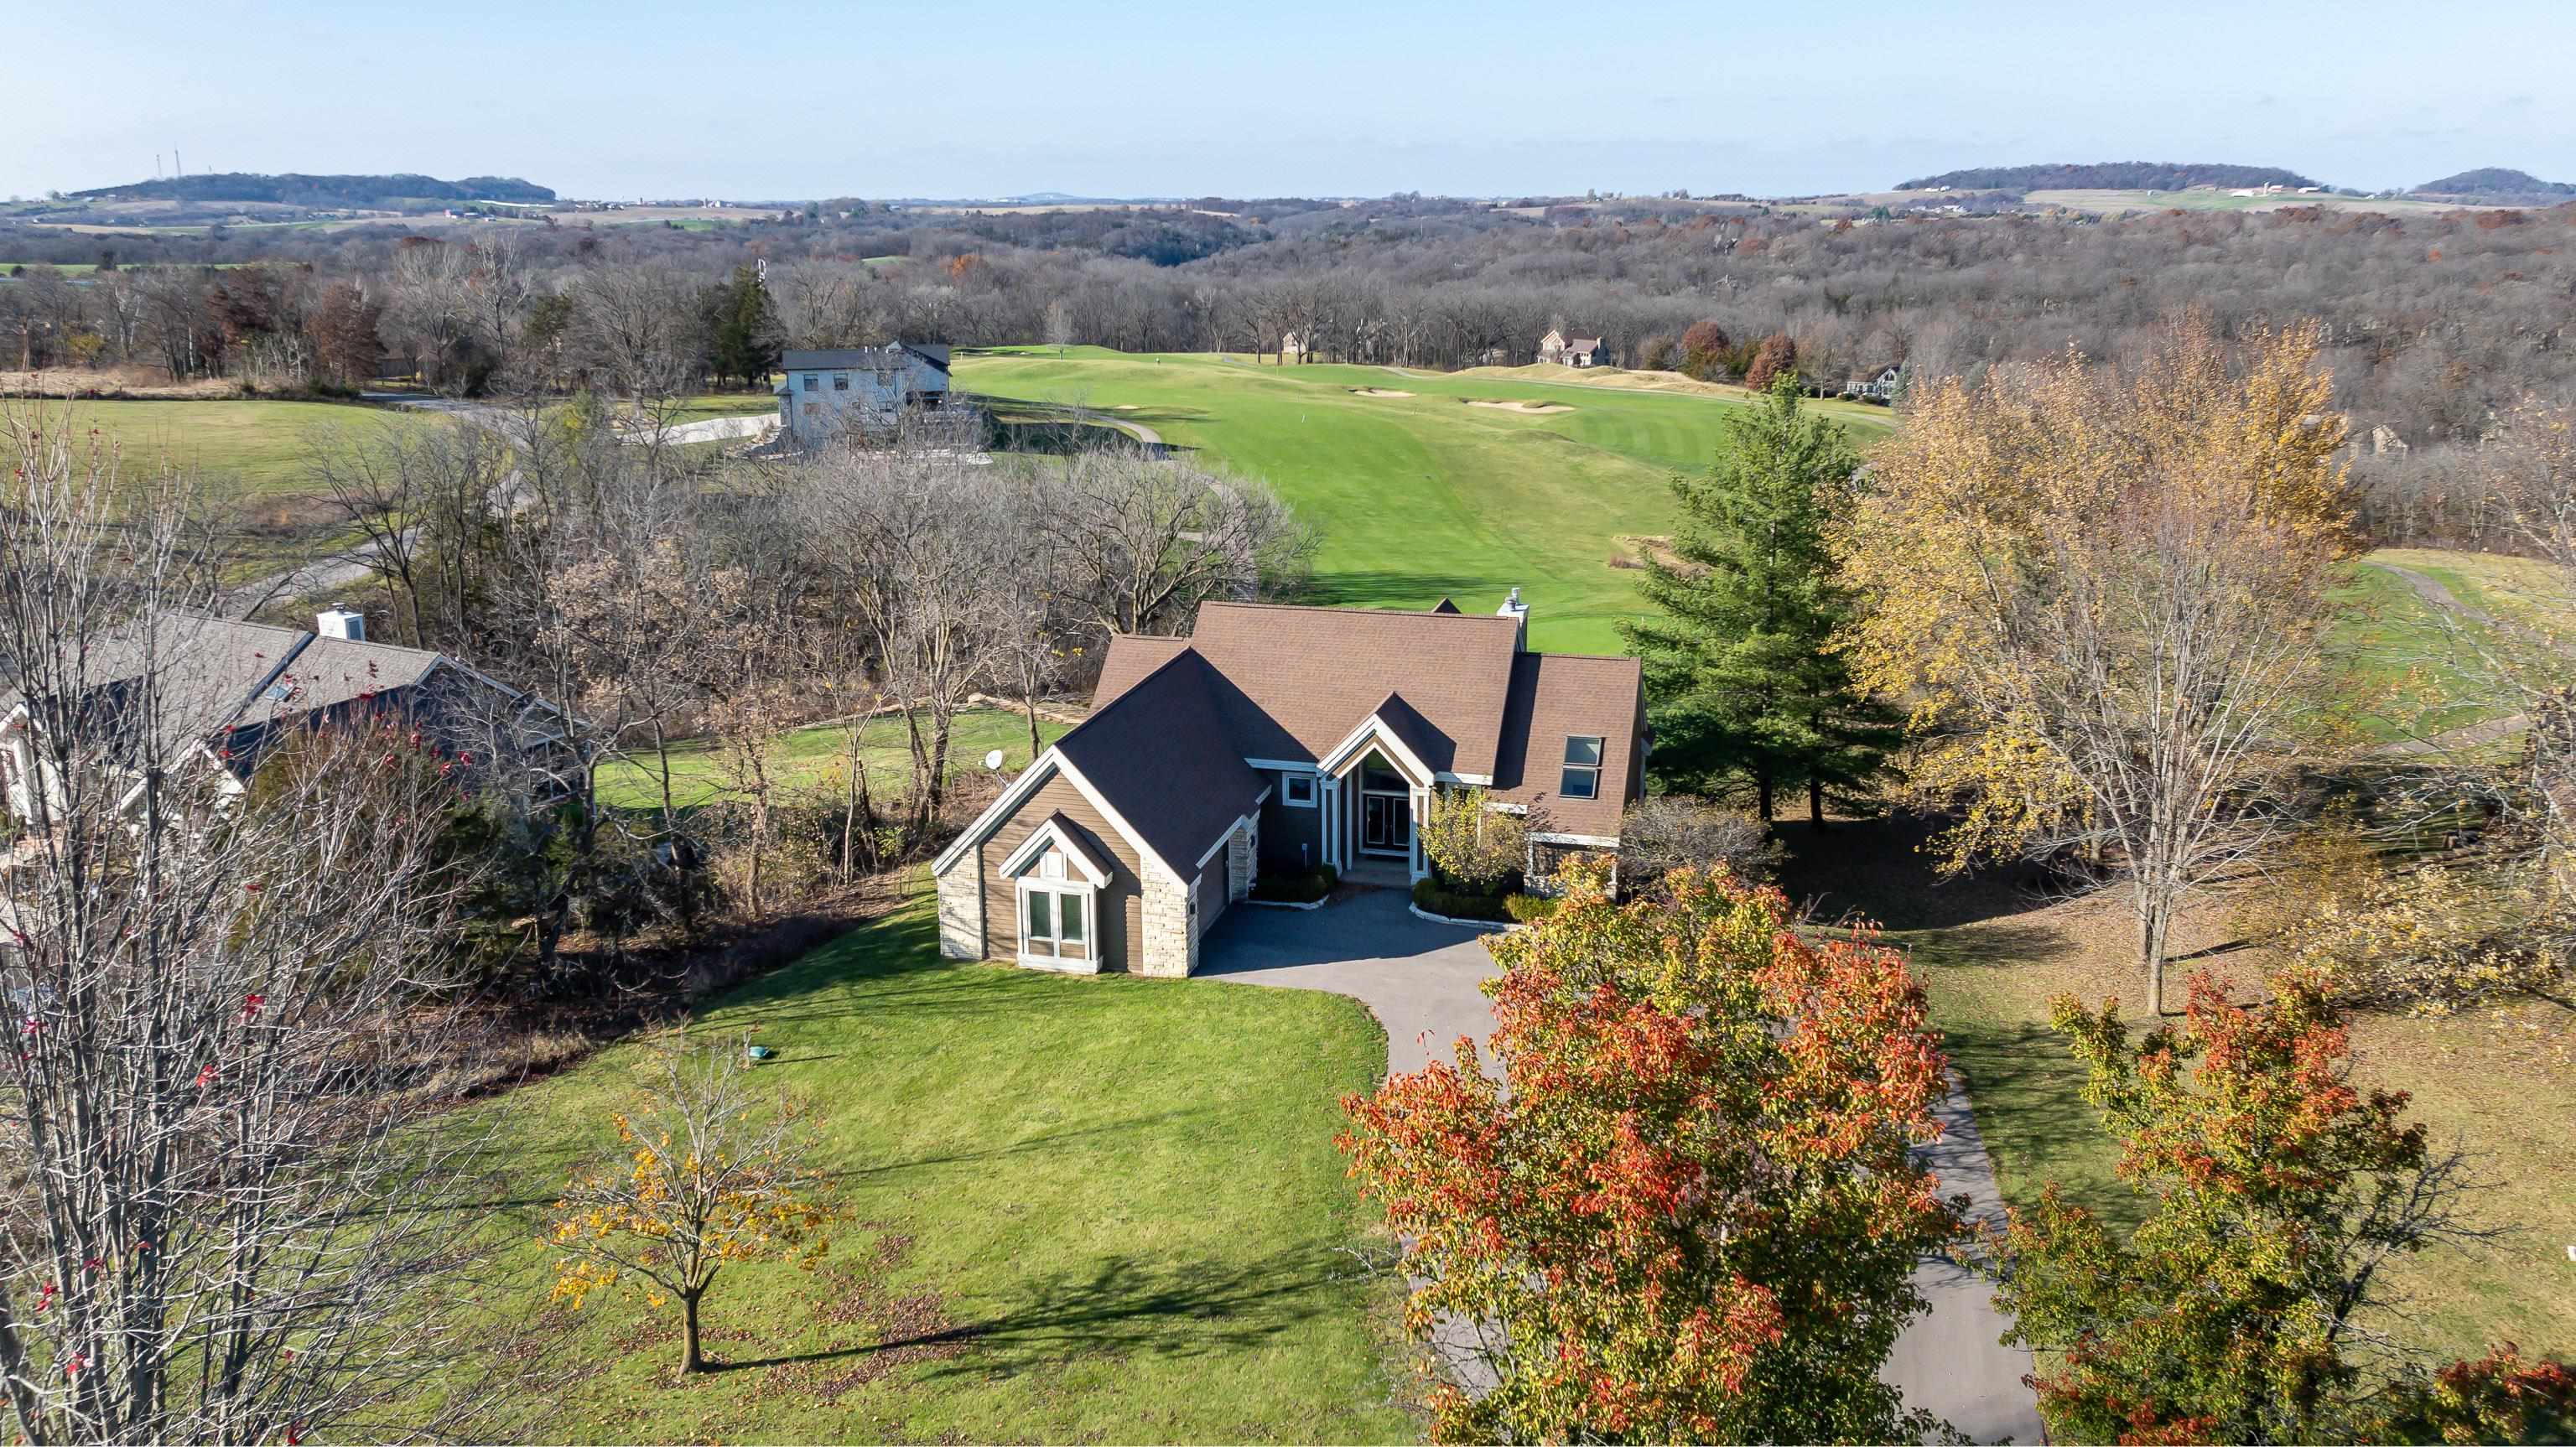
column 1417, row 977
column 1420, row 980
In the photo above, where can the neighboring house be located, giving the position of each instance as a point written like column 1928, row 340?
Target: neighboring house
column 870, row 389
column 1882, row 384
column 225, row 692
column 1568, row 351
column 1292, row 344
column 1280, row 739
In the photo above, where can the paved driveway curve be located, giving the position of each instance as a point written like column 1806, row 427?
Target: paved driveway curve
column 1420, row 980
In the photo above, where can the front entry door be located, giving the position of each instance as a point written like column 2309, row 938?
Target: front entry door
column 1386, row 823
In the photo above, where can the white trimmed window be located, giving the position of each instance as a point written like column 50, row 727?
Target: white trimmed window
column 1297, row 790
column 1057, row 885
column 1055, row 914
column 1582, row 778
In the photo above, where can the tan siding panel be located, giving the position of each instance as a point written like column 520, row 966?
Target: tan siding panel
column 1121, row 902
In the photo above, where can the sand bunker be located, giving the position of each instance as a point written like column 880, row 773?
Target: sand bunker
column 1517, row 406
column 1377, row 392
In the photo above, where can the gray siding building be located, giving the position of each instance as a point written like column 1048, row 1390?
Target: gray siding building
column 831, row 392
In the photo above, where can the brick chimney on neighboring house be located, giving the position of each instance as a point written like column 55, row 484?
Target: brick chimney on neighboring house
column 1518, row 611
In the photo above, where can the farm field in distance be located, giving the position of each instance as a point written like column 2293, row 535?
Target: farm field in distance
column 1417, row 493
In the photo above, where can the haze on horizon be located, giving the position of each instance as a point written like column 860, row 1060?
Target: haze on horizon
column 1328, row 98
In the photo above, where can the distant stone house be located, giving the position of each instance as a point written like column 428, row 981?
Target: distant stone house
column 1282, row 739
column 1567, row 351
column 828, row 393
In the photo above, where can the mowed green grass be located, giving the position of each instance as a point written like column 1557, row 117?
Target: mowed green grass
column 816, row 757
column 1079, row 1209
column 2419, row 668
column 1423, row 496
column 237, row 449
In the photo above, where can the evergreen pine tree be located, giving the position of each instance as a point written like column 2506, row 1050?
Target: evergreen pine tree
column 746, row 330
column 1742, row 685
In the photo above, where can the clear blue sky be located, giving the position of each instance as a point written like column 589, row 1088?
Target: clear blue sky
column 812, row 98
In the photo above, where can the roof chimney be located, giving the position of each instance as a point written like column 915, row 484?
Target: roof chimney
column 343, row 622
column 1518, row 611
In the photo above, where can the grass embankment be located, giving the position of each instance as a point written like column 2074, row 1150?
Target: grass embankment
column 1082, row 1209
column 1420, row 495
column 244, row 449
column 812, row 757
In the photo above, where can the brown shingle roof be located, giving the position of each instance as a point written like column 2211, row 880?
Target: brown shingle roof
column 1555, row 696
column 1295, row 681
column 1161, row 754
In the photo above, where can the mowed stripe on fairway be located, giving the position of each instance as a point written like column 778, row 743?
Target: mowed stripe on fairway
column 1421, row 496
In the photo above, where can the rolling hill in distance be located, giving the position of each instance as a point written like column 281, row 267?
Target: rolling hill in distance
column 296, row 189
column 2106, row 176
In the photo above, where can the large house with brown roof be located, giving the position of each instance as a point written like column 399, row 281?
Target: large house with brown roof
column 1568, row 351
column 1281, row 739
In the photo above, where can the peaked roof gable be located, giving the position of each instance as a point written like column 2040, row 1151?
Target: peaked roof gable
column 1294, row 681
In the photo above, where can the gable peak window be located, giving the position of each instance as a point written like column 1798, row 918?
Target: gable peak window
column 1582, row 777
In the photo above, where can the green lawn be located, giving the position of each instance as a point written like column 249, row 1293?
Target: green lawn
column 726, row 404
column 244, row 449
column 813, row 756
column 1422, row 495
column 1081, row 1209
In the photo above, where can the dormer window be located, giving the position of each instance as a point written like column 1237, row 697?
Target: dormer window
column 1582, row 778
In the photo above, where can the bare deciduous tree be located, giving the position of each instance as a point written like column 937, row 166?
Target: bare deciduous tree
column 1141, row 543
column 229, row 1218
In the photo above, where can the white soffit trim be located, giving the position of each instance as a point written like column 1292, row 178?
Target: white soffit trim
column 1374, row 730
column 1051, row 834
column 1221, row 840
column 997, row 811
column 1108, row 812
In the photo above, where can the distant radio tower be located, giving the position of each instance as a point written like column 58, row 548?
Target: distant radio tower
column 181, row 165
column 156, row 165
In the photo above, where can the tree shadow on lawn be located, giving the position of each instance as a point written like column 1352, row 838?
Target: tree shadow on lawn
column 1121, row 1306
column 1886, row 870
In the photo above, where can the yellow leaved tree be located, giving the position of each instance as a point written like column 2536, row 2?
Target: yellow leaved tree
column 704, row 1178
column 2101, row 596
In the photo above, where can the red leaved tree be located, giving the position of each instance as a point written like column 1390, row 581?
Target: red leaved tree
column 2242, row 1309
column 1777, row 354
column 1689, row 1209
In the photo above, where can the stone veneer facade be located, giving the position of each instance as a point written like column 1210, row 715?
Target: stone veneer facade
column 1168, row 949
column 961, row 910
column 1239, row 853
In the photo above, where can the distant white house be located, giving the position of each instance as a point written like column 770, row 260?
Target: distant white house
column 829, row 392
column 1882, row 386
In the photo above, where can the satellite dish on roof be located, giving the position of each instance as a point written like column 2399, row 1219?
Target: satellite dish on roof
column 993, row 761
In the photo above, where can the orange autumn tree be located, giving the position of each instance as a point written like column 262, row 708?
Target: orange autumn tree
column 2103, row 599
column 1689, row 1210
column 2249, row 1305
column 704, row 1179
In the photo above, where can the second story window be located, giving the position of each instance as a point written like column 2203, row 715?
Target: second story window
column 812, row 384
column 840, row 381
column 1582, row 768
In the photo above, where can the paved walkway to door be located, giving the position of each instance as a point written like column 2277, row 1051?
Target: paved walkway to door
column 1420, row 980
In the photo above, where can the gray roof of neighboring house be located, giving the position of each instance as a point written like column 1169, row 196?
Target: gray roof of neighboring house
column 825, row 358
column 232, row 684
